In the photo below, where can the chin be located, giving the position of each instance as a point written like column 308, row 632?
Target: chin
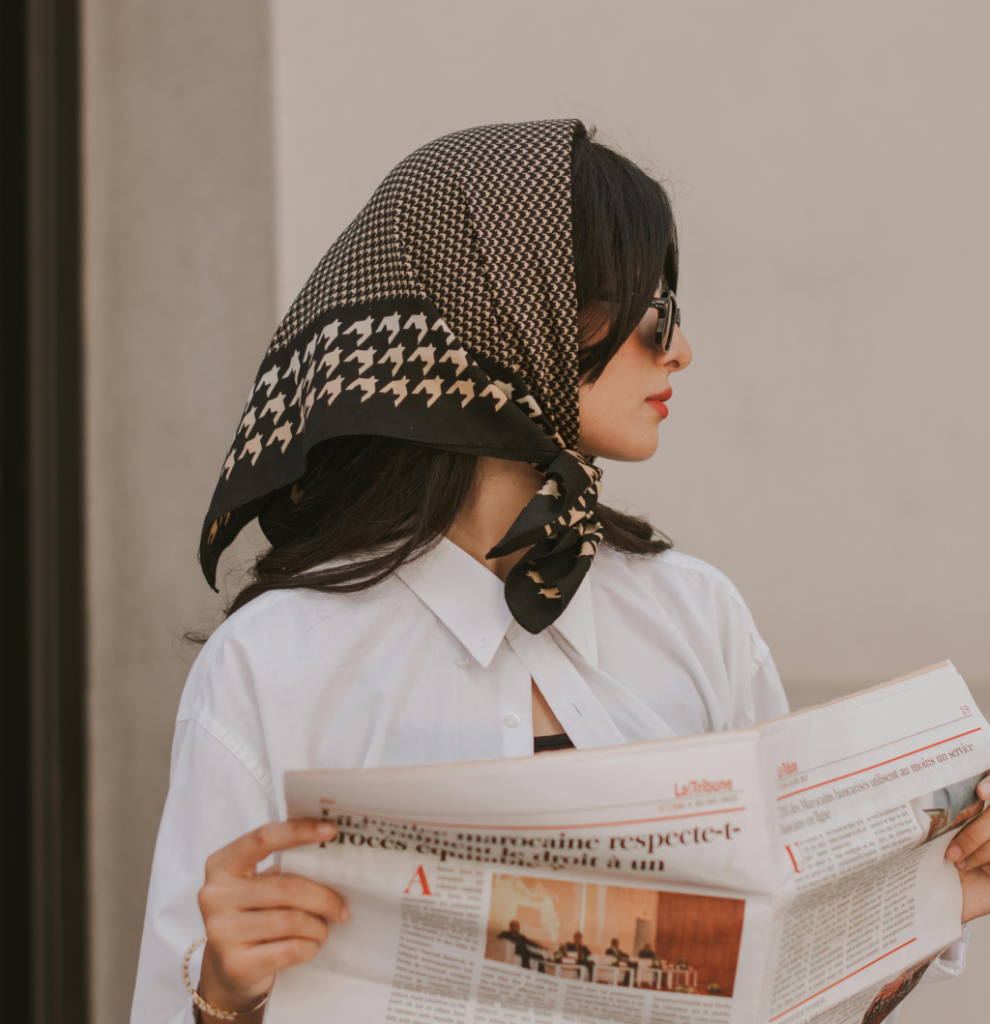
column 625, row 449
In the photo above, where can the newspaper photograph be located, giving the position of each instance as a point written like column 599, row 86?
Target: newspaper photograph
column 789, row 873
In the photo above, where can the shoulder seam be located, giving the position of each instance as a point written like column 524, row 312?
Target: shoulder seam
column 691, row 563
column 764, row 652
column 702, row 568
column 235, row 746
column 210, row 652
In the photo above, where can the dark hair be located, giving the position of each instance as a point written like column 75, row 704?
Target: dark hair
column 385, row 499
column 625, row 243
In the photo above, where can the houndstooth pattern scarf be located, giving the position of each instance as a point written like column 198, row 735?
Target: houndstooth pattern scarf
column 445, row 314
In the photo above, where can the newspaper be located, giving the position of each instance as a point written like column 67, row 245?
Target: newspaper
column 788, row 873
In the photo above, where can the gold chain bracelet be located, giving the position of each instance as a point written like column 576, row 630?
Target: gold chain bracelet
column 199, row 1000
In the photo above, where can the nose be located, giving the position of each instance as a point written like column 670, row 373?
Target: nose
column 679, row 355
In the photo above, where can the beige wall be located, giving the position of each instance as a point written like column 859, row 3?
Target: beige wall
column 179, row 306
column 827, row 449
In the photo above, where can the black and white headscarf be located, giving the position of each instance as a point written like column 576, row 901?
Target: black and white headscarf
column 446, row 314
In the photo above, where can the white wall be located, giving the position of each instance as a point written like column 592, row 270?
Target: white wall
column 828, row 448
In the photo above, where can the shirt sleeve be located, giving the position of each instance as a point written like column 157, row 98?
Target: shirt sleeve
column 767, row 691
column 213, row 798
column 951, row 961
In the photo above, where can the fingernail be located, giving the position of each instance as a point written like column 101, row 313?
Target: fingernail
column 983, row 790
column 954, row 852
column 326, row 828
column 344, row 915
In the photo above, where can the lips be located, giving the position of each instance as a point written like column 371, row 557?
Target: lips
column 658, row 400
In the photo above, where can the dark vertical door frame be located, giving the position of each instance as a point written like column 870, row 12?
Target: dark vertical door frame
column 15, row 750
column 42, row 626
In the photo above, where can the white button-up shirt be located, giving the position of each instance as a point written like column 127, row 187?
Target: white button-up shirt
column 429, row 667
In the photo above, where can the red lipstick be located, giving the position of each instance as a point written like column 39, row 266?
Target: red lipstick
column 658, row 400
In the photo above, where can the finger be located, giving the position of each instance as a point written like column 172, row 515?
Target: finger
column 270, row 957
column 265, row 892
column 267, row 926
column 973, row 836
column 242, row 855
column 304, row 894
column 979, row 857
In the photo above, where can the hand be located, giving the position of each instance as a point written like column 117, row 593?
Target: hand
column 970, row 852
column 259, row 924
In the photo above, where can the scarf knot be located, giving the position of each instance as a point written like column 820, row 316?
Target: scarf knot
column 561, row 528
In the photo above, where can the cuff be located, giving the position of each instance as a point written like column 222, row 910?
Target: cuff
column 951, row 961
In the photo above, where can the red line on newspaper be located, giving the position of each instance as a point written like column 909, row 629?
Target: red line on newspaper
column 901, row 739
column 528, row 828
column 841, row 980
column 879, row 764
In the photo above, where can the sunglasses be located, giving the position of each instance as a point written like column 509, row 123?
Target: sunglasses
column 667, row 315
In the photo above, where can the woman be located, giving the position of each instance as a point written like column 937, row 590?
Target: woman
column 418, row 448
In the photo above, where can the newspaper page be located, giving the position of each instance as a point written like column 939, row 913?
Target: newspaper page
column 869, row 792
column 792, row 872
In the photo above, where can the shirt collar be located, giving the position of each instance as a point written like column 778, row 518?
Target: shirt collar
column 470, row 601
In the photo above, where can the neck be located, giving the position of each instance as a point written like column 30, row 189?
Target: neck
column 502, row 489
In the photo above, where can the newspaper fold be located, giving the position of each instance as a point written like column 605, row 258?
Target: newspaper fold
column 784, row 874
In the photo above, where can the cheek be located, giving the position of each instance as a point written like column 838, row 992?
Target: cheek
column 616, row 422
column 619, row 391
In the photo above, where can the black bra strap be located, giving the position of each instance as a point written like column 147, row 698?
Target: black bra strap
column 543, row 744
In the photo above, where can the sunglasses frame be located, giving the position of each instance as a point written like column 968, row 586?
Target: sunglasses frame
column 668, row 314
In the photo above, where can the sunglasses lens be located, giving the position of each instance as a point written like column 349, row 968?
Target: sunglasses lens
column 664, row 324
column 670, row 315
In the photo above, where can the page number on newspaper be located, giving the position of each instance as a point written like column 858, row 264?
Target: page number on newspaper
column 965, row 709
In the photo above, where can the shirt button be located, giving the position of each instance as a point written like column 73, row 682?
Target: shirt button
column 463, row 661
column 512, row 721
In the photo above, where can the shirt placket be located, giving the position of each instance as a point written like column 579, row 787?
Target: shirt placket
column 578, row 710
column 515, row 703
